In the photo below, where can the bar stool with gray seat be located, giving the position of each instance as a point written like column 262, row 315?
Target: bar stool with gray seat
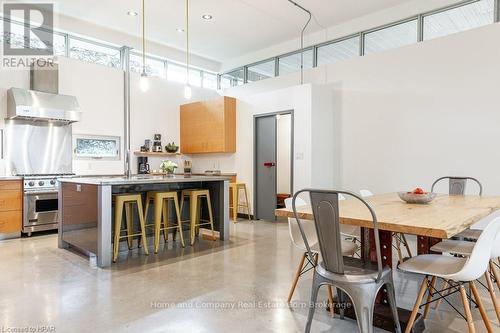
column 361, row 284
column 348, row 249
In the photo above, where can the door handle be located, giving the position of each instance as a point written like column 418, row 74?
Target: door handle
column 269, row 164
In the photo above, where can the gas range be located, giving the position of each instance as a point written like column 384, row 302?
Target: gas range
column 41, row 209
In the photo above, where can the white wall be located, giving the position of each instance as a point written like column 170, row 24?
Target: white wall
column 284, row 151
column 99, row 90
column 405, row 117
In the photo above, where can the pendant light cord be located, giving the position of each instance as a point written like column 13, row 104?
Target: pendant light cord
column 143, row 37
column 187, row 42
column 302, row 39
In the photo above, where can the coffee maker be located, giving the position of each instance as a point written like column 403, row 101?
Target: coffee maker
column 143, row 165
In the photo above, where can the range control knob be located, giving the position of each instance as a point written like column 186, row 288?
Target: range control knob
column 41, row 183
column 53, row 182
column 31, row 183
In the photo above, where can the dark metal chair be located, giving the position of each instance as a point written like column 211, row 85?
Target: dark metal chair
column 360, row 284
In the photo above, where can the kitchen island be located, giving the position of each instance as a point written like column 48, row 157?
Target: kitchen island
column 86, row 214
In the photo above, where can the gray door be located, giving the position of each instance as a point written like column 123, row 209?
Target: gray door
column 265, row 167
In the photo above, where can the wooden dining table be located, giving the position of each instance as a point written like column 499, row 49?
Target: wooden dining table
column 445, row 217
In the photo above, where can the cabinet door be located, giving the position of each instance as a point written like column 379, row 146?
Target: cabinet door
column 11, row 201
column 214, row 125
column 202, row 127
column 192, row 120
column 10, row 221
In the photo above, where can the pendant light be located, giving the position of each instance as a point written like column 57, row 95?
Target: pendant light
column 144, row 81
column 188, row 93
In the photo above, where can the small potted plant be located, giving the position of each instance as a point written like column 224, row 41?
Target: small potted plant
column 172, row 148
column 168, row 167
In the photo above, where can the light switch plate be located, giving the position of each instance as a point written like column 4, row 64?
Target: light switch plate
column 299, row 156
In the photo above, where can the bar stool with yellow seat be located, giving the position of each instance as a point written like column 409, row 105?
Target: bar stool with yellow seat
column 235, row 189
column 195, row 196
column 126, row 201
column 161, row 202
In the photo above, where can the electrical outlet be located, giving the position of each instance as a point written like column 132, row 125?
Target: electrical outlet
column 299, row 156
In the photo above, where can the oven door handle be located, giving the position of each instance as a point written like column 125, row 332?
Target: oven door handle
column 39, row 193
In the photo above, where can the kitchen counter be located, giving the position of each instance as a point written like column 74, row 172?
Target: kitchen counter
column 142, row 179
column 11, row 178
column 86, row 208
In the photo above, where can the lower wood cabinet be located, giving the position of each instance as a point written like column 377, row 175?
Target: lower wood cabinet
column 11, row 222
column 11, row 206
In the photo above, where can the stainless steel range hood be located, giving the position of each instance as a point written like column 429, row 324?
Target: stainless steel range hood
column 30, row 104
column 42, row 102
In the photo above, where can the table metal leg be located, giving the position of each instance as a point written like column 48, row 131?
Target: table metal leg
column 424, row 244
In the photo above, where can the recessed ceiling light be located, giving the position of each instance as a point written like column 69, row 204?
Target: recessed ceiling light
column 207, row 17
column 132, row 13
column 179, row 30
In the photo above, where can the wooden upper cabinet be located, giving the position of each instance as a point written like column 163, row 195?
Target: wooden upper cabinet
column 209, row 126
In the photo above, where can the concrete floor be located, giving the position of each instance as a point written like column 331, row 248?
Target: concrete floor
column 45, row 288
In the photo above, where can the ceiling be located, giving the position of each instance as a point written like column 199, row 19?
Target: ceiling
column 238, row 26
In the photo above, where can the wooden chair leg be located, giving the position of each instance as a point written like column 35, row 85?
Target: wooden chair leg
column 492, row 294
column 444, row 285
column 296, row 277
column 479, row 303
column 429, row 297
column 398, row 248
column 330, row 301
column 420, row 296
column 468, row 314
column 407, row 246
column 495, row 274
column 118, row 223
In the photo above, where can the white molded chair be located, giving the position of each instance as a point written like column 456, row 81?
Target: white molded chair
column 465, row 248
column 398, row 237
column 348, row 248
column 457, row 272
